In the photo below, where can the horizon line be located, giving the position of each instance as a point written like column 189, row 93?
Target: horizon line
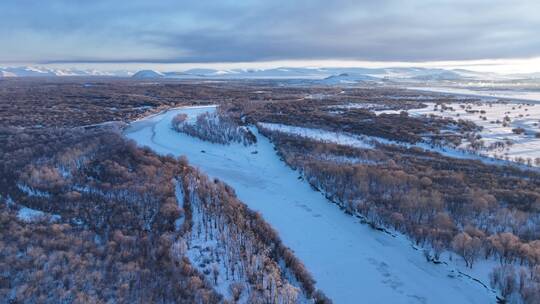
column 501, row 66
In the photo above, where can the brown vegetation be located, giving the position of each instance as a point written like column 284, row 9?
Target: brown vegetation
column 248, row 248
column 117, row 211
column 476, row 210
column 113, row 230
column 311, row 114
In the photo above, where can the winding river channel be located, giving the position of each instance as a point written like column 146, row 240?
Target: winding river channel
column 351, row 262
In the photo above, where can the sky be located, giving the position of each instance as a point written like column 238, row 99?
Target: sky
column 482, row 35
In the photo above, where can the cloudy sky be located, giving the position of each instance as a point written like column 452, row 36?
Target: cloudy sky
column 254, row 31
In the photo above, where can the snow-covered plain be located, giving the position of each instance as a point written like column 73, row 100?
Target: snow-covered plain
column 355, row 141
column 522, row 115
column 351, row 262
column 494, row 94
column 369, row 142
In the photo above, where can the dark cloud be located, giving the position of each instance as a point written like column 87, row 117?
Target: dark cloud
column 229, row 31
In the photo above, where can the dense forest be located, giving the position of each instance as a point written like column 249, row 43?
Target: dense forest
column 86, row 216
column 108, row 224
column 362, row 121
column 111, row 211
column 76, row 102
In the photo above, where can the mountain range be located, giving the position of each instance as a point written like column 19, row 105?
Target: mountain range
column 330, row 76
column 34, row 71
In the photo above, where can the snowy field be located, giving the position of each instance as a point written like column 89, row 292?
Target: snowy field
column 351, row 262
column 355, row 141
column 369, row 142
column 498, row 121
column 493, row 94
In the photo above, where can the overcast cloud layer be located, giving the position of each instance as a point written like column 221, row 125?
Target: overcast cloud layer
column 251, row 30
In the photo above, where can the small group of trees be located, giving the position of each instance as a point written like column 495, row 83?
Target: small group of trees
column 517, row 283
column 215, row 128
column 518, row 130
column 467, row 246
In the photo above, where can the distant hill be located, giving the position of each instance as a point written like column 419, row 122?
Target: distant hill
column 331, row 75
column 146, row 74
column 32, row 71
column 7, row 74
column 342, row 75
column 346, row 78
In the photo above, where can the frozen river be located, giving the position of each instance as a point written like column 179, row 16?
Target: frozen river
column 350, row 262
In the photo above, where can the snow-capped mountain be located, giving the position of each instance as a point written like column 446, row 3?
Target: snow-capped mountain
column 338, row 75
column 347, row 79
column 7, row 74
column 32, row 71
column 27, row 71
column 146, row 74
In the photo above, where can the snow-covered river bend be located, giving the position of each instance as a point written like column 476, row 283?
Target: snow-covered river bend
column 350, row 262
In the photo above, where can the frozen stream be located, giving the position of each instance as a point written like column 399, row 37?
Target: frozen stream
column 350, row 262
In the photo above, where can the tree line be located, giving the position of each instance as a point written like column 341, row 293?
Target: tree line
column 476, row 211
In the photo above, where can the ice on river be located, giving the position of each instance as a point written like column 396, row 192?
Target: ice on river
column 350, row 262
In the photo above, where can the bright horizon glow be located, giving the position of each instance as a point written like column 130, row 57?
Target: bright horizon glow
column 500, row 66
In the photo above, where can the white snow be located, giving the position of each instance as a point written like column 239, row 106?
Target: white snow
column 346, row 79
column 368, row 142
column 201, row 255
column 180, row 201
column 29, row 215
column 489, row 92
column 33, row 71
column 7, row 74
column 351, row 262
column 523, row 115
column 355, row 105
column 209, row 248
column 147, row 74
column 341, row 138
column 31, row 191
